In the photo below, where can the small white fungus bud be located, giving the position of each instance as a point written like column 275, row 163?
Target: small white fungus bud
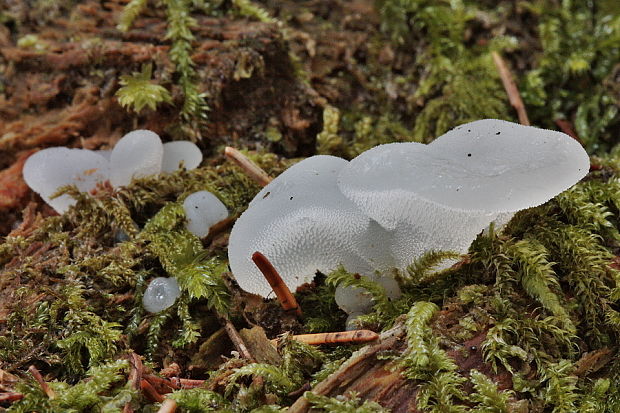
column 137, row 154
column 161, row 293
column 177, row 151
column 203, row 210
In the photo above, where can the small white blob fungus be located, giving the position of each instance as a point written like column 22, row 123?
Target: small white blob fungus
column 357, row 300
column 161, row 293
column 49, row 169
column 137, row 154
column 352, row 322
column 203, row 210
column 303, row 224
column 180, row 151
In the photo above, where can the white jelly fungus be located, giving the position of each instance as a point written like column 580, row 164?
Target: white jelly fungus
column 302, row 223
column 137, row 154
column 203, row 210
column 161, row 293
column 395, row 202
column 180, row 151
column 50, row 169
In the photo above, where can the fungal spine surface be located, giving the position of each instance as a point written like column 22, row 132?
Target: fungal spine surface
column 302, row 223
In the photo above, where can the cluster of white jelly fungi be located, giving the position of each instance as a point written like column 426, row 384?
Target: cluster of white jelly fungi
column 395, row 202
column 137, row 154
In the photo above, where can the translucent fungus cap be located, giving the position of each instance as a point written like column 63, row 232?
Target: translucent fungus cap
column 161, row 293
column 137, row 154
column 203, row 210
column 177, row 151
column 51, row 168
column 441, row 195
column 487, row 165
column 302, row 223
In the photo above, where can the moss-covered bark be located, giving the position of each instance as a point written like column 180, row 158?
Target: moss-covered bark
column 528, row 321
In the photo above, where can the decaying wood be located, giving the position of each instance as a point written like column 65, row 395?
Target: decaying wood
column 285, row 297
column 250, row 168
column 371, row 377
column 511, row 88
column 260, row 346
column 237, row 340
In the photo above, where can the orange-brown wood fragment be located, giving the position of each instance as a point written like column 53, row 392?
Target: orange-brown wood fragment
column 284, row 295
column 13, row 189
column 511, row 88
column 46, row 388
column 250, row 168
column 340, row 337
column 150, row 392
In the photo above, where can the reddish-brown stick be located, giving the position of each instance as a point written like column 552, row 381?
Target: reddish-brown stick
column 46, row 388
column 284, row 295
column 250, row 168
column 10, row 397
column 150, row 392
column 511, row 88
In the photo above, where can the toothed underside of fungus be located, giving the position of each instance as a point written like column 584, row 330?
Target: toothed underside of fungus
column 395, row 202
column 302, row 223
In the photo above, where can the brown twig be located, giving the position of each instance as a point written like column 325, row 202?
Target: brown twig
column 37, row 376
column 511, row 88
column 135, row 377
column 150, row 391
column 168, row 406
column 187, row 383
column 161, row 385
column 165, row 386
column 237, row 340
column 249, row 167
column 284, row 295
column 566, row 127
column 10, row 397
column 353, row 336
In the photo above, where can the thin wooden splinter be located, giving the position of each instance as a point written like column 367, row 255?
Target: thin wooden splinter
column 249, row 167
column 46, row 388
column 341, row 337
column 234, row 336
column 284, row 295
column 511, row 88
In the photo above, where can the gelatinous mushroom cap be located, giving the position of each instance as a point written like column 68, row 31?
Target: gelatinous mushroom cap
column 177, row 151
column 203, row 210
column 137, row 154
column 49, row 169
column 161, row 293
column 488, row 165
column 302, row 223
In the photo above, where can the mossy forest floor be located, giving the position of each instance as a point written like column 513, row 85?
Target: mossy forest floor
column 528, row 321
